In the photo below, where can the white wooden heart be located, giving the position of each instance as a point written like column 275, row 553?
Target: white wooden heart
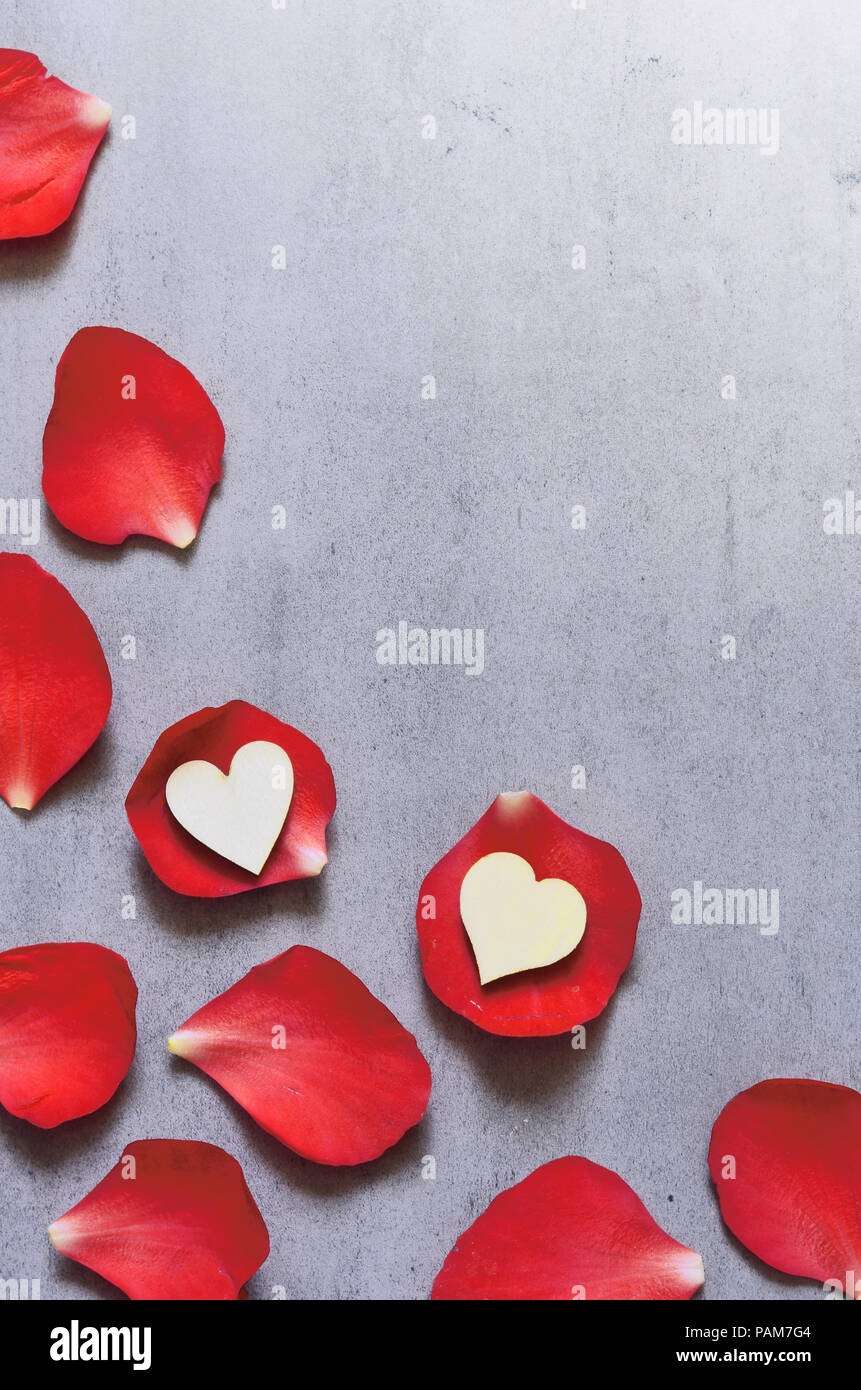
column 515, row 922
column 240, row 816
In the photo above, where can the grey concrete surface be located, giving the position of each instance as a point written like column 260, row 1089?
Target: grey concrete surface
column 408, row 257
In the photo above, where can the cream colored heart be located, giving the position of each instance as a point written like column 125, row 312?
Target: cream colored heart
column 516, row 922
column 240, row 816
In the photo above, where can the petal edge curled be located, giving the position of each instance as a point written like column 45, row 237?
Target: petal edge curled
column 172, row 1220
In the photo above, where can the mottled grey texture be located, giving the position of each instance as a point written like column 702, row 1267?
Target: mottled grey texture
column 405, row 257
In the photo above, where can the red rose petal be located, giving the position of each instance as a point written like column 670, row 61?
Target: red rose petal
column 55, row 687
column 348, row 1081
column 48, row 135
column 795, row 1200
column 67, row 1030
column 118, row 464
column 173, row 1220
column 214, row 735
column 571, row 1230
column 555, row 998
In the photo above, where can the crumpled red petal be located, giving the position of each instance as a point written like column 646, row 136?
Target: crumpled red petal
column 173, row 1220
column 571, row 1230
column 133, row 443
column 48, row 135
column 55, row 687
column 67, row 1030
column 214, row 735
column 313, row 1056
column 785, row 1157
column 555, row 998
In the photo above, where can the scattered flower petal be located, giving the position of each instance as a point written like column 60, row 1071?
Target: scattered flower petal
column 313, row 1056
column 67, row 1030
column 570, row 1231
column 48, row 136
column 133, row 443
column 173, row 1220
column 554, row 998
column 785, row 1157
column 55, row 687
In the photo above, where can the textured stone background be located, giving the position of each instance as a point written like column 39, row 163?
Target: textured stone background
column 405, row 256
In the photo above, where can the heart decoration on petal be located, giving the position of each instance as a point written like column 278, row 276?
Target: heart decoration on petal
column 241, row 815
column 516, row 922
column 215, row 736
column 530, row 1004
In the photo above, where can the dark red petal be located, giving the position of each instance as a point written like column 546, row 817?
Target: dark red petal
column 173, row 1220
column 117, row 464
column 349, row 1080
column 214, row 735
column 535, row 1003
column 67, row 1030
column 571, row 1230
column 55, row 687
column 48, row 135
column 795, row 1200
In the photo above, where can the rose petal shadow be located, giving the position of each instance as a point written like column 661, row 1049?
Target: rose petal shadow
column 92, row 767
column 304, row 899
column 519, row 1069
column 319, row 1179
column 772, row 1276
